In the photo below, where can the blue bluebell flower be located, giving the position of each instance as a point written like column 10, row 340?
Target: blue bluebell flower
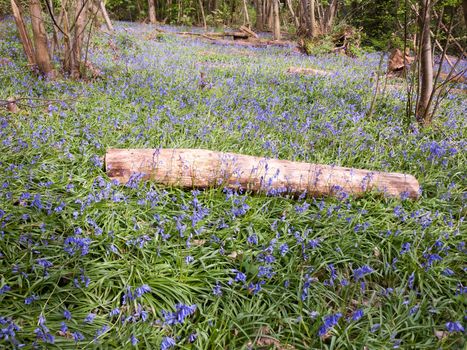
column 454, row 326
column 167, row 343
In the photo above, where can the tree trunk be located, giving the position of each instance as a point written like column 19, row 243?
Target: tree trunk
column 311, row 9
column 423, row 110
column 201, row 6
column 292, row 12
column 198, row 168
column 152, row 11
column 328, row 19
column 259, row 15
column 23, row 33
column 107, row 20
column 41, row 51
column 246, row 21
column 464, row 7
column 276, row 18
column 77, row 46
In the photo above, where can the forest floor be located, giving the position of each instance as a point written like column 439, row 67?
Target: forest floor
column 85, row 261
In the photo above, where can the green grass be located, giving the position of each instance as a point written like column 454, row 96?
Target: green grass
column 54, row 190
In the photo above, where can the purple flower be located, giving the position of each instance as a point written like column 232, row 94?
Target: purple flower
column 90, row 318
column 5, row 289
column 239, row 276
column 454, row 327
column 192, row 337
column 362, row 272
column 329, row 322
column 189, row 259
column 29, row 300
column 142, row 290
column 182, row 311
column 67, row 314
column 283, row 249
column 253, row 239
column 167, row 343
column 77, row 336
column 357, row 314
column 375, row 327
column 216, row 290
column 133, row 340
column 114, row 312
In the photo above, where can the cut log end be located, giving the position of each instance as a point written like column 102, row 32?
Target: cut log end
column 198, row 168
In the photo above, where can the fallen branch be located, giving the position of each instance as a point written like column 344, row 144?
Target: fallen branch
column 308, row 71
column 198, row 168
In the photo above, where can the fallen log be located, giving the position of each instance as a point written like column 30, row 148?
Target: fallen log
column 199, row 168
column 308, row 71
column 249, row 32
column 252, row 43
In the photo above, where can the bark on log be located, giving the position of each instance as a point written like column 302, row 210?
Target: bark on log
column 249, row 32
column 198, row 168
column 308, row 71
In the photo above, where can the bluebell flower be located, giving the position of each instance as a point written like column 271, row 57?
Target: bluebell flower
column 329, row 322
column 217, row 290
column 405, row 248
column 189, row 259
column 114, row 312
column 167, row 343
column 356, row 315
column 455, row 326
column 253, row 239
column 63, row 327
column 239, row 276
column 192, row 337
column 44, row 263
column 182, row 311
column 5, row 289
column 283, row 249
column 375, row 327
column 362, row 272
column 77, row 336
column 90, row 318
column 133, row 340
column 448, row 272
column 29, row 300
column 139, row 291
column 67, row 314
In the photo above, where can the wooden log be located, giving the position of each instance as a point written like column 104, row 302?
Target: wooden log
column 308, row 71
column 249, row 32
column 199, row 168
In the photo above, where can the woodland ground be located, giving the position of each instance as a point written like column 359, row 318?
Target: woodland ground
column 85, row 262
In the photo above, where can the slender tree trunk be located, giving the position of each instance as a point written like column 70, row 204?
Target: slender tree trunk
column 304, row 19
column 311, row 10
column 464, row 7
column 40, row 40
column 107, row 20
column 23, row 33
column 259, row 15
column 423, row 112
column 329, row 15
column 152, row 11
column 201, row 6
column 276, row 18
column 270, row 12
column 246, row 21
column 292, row 12
column 78, row 38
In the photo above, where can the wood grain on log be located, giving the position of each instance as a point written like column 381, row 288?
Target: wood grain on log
column 308, row 71
column 199, row 168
